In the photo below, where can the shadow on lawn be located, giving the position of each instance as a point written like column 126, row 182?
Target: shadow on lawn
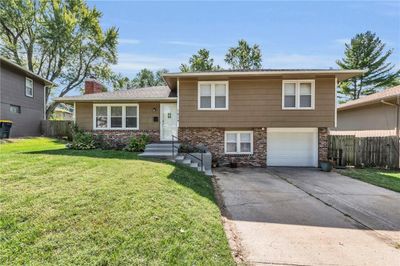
column 183, row 175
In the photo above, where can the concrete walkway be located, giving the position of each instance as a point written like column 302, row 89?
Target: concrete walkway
column 295, row 216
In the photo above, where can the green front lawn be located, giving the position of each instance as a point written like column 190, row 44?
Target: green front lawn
column 383, row 178
column 65, row 207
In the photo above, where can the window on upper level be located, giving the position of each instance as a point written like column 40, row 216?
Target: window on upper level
column 298, row 94
column 28, row 87
column 213, row 95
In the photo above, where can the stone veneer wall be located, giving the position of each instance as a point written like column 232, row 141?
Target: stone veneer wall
column 213, row 139
column 323, row 144
column 118, row 139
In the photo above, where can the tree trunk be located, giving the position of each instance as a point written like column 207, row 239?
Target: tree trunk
column 50, row 109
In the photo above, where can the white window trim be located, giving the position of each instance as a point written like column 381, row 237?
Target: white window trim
column 297, row 94
column 238, row 142
column 26, row 85
column 213, row 83
column 123, row 105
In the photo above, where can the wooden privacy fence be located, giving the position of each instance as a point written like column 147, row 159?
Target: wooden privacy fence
column 367, row 151
column 57, row 128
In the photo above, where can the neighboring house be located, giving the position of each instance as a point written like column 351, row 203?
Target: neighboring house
column 62, row 112
column 370, row 116
column 255, row 118
column 22, row 98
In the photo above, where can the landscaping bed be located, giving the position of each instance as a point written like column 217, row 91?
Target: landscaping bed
column 100, row 207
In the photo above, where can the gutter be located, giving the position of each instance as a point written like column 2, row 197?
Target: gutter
column 266, row 73
column 123, row 99
column 397, row 105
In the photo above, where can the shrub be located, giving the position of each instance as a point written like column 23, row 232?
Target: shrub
column 82, row 140
column 137, row 144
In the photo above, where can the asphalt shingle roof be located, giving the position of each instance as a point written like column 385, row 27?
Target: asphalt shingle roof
column 388, row 93
column 156, row 92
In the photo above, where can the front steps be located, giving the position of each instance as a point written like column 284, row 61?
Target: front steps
column 161, row 150
column 164, row 151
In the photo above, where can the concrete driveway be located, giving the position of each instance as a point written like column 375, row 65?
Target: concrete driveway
column 298, row 216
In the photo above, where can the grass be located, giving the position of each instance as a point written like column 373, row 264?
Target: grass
column 389, row 179
column 68, row 207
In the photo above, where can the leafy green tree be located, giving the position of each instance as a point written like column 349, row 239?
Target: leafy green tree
column 367, row 51
column 61, row 41
column 159, row 80
column 119, row 82
column 244, row 56
column 200, row 62
column 147, row 78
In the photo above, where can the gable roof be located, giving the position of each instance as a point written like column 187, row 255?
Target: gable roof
column 147, row 93
column 340, row 74
column 4, row 60
column 387, row 94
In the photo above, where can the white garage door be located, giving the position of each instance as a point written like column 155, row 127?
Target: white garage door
column 292, row 147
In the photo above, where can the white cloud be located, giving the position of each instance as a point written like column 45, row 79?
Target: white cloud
column 131, row 63
column 128, row 41
column 192, row 44
column 342, row 41
column 299, row 61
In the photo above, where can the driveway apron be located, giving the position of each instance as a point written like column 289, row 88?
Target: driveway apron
column 294, row 216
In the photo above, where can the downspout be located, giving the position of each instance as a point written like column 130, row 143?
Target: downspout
column 74, row 114
column 44, row 102
column 397, row 125
column 397, row 104
column 177, row 103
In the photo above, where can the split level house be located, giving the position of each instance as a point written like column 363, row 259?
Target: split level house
column 254, row 118
column 22, row 98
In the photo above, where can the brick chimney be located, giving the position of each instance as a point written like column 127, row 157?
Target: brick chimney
column 92, row 85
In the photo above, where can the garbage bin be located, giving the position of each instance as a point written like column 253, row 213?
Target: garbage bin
column 5, row 128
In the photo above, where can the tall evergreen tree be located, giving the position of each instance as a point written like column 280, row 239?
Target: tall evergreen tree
column 367, row 51
column 200, row 62
column 244, row 56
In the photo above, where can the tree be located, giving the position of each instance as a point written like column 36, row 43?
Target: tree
column 159, row 76
column 200, row 62
column 367, row 51
column 244, row 56
column 147, row 78
column 61, row 41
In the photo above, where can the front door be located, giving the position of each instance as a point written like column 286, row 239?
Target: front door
column 168, row 125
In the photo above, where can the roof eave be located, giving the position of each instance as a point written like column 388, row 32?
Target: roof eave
column 27, row 71
column 123, row 99
column 341, row 75
column 262, row 73
column 362, row 104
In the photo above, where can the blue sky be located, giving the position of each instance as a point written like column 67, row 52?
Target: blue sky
column 292, row 34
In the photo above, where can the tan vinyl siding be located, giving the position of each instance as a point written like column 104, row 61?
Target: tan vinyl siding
column 371, row 117
column 84, row 115
column 257, row 103
column 146, row 115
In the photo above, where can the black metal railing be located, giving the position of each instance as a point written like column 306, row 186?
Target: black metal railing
column 187, row 144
